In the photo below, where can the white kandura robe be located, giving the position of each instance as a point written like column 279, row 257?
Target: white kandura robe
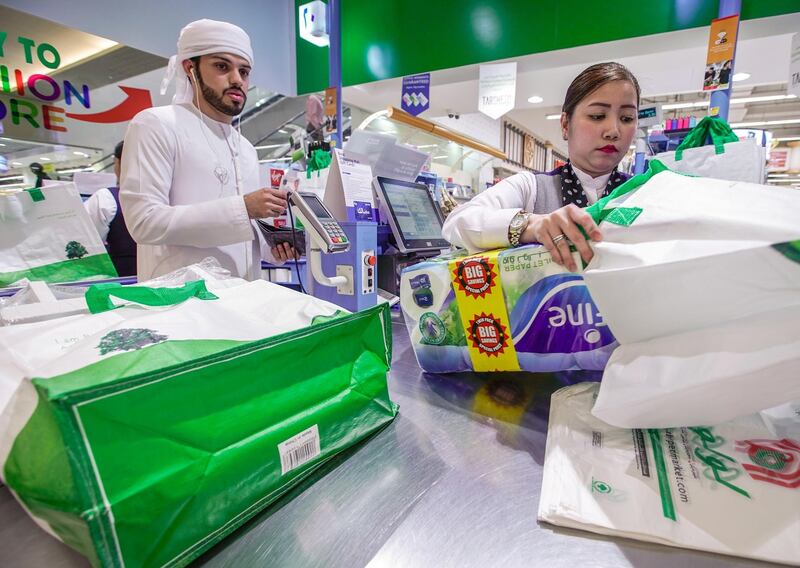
column 176, row 208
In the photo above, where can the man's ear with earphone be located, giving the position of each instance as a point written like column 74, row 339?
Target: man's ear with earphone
column 190, row 72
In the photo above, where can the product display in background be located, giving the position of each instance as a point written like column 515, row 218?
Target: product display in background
column 502, row 310
column 141, row 436
column 699, row 279
column 731, row 489
column 726, row 158
column 46, row 234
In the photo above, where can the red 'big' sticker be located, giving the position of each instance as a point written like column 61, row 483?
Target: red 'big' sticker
column 488, row 334
column 475, row 276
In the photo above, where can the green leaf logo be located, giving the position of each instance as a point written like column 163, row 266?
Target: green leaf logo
column 128, row 340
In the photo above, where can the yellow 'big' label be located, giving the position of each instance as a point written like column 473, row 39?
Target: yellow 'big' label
column 479, row 295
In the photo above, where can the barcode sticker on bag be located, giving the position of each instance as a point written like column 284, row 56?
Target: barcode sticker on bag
column 299, row 449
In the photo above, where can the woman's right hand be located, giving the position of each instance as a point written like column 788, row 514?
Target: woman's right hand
column 545, row 229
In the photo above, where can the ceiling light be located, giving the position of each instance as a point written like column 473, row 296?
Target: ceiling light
column 763, row 99
column 787, row 138
column 535, row 99
column 268, row 146
column 765, row 123
column 10, row 177
column 44, row 158
column 440, row 157
column 16, row 164
column 676, row 106
column 282, row 131
column 427, row 146
column 741, row 76
column 84, row 154
column 741, row 101
column 2, row 144
column 553, row 116
column 778, row 175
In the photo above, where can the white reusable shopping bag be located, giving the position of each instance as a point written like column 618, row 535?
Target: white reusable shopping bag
column 731, row 489
column 46, row 234
column 699, row 280
column 727, row 158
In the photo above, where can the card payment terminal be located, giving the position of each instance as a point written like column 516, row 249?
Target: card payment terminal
column 324, row 231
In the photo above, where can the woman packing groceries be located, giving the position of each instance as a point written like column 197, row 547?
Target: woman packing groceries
column 598, row 121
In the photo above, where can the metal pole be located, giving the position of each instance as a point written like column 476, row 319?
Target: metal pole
column 335, row 63
column 721, row 98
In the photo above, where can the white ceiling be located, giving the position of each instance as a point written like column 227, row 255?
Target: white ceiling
column 665, row 64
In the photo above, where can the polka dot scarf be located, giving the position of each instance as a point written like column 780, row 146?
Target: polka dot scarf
column 572, row 191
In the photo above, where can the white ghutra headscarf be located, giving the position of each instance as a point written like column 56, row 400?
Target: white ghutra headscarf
column 202, row 38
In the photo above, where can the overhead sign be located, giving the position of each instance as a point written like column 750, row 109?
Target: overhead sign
column 497, row 88
column 721, row 49
column 312, row 18
column 415, row 98
column 28, row 100
column 794, row 67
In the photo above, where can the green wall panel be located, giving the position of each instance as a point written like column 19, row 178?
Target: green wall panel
column 311, row 61
column 382, row 39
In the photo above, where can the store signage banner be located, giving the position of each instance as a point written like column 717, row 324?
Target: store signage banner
column 497, row 88
column 794, row 67
column 416, row 95
column 34, row 100
column 721, row 49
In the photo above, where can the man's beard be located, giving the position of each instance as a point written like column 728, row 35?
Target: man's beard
column 217, row 101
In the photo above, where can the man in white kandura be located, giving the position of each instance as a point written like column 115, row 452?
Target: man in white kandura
column 189, row 183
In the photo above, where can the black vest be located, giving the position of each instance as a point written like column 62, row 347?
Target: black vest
column 121, row 246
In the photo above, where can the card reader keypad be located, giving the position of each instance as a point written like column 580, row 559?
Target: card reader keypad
column 335, row 231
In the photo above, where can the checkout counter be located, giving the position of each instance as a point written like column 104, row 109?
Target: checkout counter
column 453, row 481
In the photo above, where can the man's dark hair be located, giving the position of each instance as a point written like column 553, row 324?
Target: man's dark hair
column 118, row 150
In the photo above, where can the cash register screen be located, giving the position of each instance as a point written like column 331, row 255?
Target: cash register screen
column 414, row 217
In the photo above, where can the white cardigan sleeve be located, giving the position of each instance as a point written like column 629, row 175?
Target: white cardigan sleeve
column 482, row 222
column 145, row 183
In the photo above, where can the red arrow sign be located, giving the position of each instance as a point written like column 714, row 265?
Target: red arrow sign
column 137, row 100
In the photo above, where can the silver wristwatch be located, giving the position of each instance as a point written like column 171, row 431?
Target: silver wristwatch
column 517, row 225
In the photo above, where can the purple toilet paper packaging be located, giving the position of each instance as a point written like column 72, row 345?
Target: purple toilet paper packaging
column 502, row 310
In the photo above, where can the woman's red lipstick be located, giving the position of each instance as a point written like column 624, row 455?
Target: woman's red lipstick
column 609, row 149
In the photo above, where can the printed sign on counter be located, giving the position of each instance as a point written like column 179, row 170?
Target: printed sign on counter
column 348, row 193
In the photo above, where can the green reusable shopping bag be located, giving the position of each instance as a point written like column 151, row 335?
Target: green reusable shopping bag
column 154, row 453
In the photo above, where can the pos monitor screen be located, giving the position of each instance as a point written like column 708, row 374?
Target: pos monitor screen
column 415, row 219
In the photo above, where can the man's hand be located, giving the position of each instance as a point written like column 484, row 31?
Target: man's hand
column 284, row 252
column 557, row 229
column 265, row 202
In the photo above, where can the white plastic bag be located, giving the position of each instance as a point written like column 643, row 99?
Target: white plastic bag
column 730, row 489
column 46, row 234
column 702, row 291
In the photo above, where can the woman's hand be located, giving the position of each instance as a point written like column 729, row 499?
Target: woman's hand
column 557, row 229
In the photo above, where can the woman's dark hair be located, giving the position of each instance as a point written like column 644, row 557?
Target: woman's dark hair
column 594, row 77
